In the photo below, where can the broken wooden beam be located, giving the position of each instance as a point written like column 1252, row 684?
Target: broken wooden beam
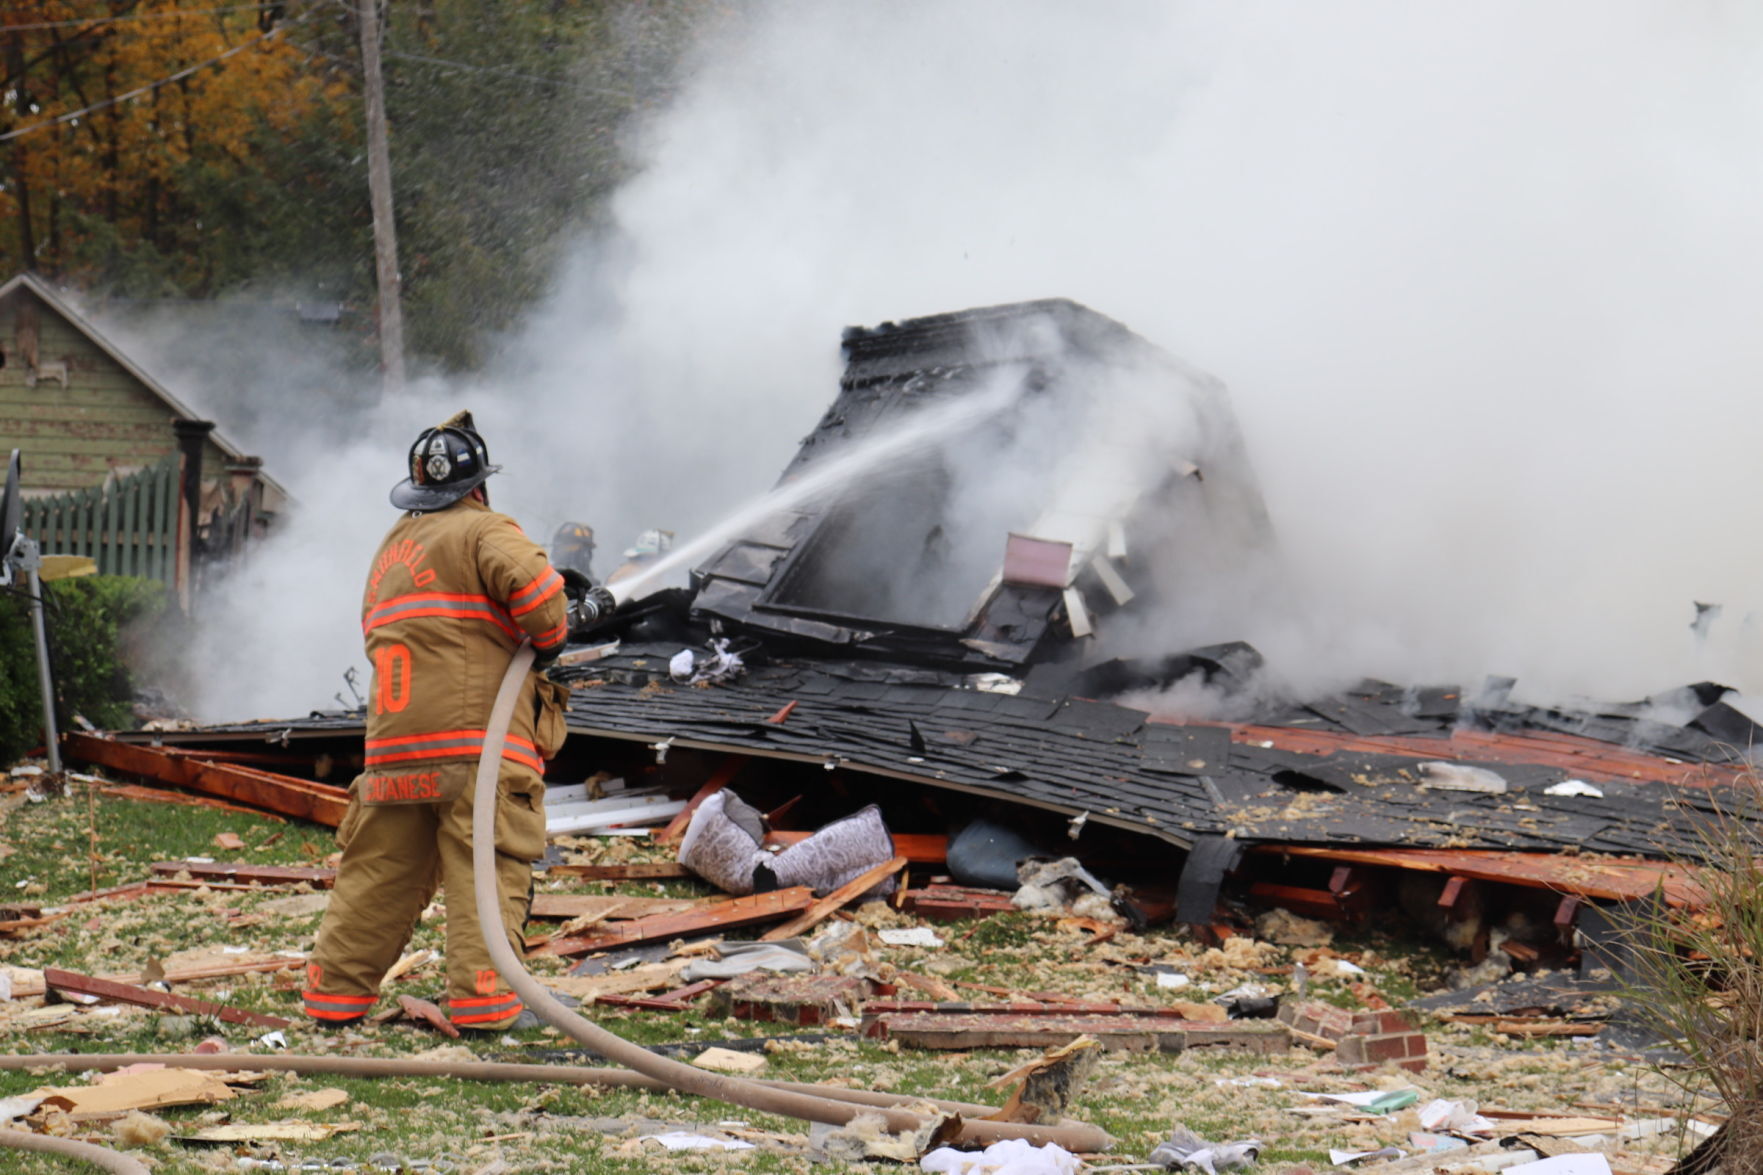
column 954, row 903
column 318, row 802
column 724, row 915
column 848, row 892
column 246, row 874
column 678, row 1000
column 1584, row 876
column 146, row 997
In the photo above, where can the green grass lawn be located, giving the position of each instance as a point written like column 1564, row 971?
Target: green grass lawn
column 54, row 850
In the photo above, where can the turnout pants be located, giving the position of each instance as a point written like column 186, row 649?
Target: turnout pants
column 394, row 857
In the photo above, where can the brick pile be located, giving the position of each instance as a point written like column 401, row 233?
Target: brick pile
column 1362, row 1040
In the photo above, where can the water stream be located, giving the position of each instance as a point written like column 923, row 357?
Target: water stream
column 832, row 474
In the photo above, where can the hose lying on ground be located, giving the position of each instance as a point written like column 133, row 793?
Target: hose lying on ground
column 686, row 1078
column 68, row 1148
column 791, row 1099
column 462, row 1070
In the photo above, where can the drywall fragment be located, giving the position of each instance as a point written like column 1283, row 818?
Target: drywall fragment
column 729, row 1061
column 120, row 1092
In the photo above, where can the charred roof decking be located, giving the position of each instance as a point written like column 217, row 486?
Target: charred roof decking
column 910, row 562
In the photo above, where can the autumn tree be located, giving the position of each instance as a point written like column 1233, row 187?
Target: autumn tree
column 124, row 120
column 198, row 149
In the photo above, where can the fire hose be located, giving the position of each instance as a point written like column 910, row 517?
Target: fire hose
column 644, row 1070
column 685, row 1078
column 99, row 1156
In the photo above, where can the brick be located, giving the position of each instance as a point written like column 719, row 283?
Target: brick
column 1367, row 1051
column 1378, row 1023
column 1317, row 1019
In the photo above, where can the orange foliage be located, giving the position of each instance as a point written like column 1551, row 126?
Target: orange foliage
column 122, row 169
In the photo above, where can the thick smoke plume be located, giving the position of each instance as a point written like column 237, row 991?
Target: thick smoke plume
column 1482, row 279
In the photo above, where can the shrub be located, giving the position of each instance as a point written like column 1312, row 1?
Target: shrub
column 88, row 619
column 1695, row 975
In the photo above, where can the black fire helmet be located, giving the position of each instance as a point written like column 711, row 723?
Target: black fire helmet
column 446, row 463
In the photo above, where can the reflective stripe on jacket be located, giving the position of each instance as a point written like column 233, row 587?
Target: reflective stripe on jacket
column 448, row 599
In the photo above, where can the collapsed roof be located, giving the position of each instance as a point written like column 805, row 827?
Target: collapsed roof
column 987, row 493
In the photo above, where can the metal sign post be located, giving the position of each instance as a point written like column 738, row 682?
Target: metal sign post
column 21, row 555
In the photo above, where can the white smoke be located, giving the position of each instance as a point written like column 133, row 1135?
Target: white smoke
column 1483, row 281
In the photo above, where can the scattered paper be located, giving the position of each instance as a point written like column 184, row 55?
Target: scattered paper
column 1013, row 1156
column 1587, row 1163
column 1456, row 1116
column 273, row 1040
column 1172, row 980
column 1264, row 1082
column 18, row 1107
column 1421, row 1140
column 1371, row 1098
column 680, row 1140
column 913, row 936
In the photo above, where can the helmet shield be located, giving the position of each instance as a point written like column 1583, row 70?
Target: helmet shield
column 446, row 463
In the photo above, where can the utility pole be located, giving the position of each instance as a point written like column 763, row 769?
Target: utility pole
column 379, row 188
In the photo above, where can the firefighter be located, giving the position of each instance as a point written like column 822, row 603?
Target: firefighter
column 454, row 589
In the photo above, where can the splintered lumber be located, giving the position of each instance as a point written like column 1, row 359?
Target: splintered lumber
column 153, row 795
column 720, row 778
column 246, row 874
column 630, row 871
column 848, row 892
column 27, row 982
column 1603, row 878
column 590, row 989
column 678, row 1000
column 14, row 926
column 724, row 915
column 128, row 993
column 606, row 906
column 918, row 848
column 284, row 794
column 953, row 903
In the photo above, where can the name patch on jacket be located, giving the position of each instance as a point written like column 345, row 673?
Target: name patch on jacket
column 413, row 787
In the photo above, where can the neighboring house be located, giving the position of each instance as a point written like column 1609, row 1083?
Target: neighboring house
column 114, row 465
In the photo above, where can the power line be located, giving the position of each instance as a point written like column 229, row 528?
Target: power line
column 98, row 22
column 503, row 71
column 72, row 115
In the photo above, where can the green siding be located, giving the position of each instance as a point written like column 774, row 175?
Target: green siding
column 74, row 435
